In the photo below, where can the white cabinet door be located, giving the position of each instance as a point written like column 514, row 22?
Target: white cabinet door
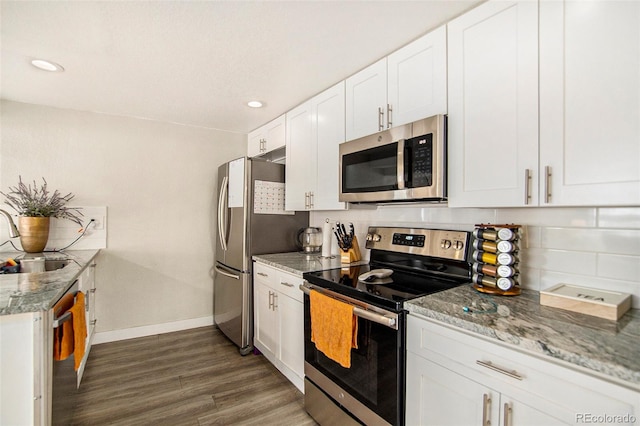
column 438, row 396
column 329, row 133
column 300, row 176
column 417, row 79
column 315, row 130
column 267, row 138
column 366, row 97
column 493, row 105
column 266, row 318
column 254, row 143
column 590, row 102
column 291, row 333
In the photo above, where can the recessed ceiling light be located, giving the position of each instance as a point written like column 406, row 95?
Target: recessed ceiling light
column 47, row 65
column 255, row 104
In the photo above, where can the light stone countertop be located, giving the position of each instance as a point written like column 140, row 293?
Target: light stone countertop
column 39, row 291
column 607, row 347
column 298, row 263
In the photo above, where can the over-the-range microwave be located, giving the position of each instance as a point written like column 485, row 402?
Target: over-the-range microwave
column 404, row 163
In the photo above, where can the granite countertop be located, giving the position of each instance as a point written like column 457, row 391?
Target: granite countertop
column 298, row 263
column 607, row 347
column 39, row 291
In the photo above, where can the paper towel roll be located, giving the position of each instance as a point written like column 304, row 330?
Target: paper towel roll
column 326, row 239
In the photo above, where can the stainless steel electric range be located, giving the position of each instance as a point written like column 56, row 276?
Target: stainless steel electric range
column 405, row 263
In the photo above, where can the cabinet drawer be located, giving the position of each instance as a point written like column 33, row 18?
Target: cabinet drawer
column 265, row 273
column 280, row 281
column 289, row 285
column 564, row 389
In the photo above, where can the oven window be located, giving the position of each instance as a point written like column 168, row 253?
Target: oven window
column 376, row 376
column 374, row 169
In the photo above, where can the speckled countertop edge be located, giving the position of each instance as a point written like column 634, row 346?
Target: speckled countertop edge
column 298, row 263
column 39, row 291
column 607, row 347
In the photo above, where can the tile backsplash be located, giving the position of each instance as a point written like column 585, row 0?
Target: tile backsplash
column 587, row 246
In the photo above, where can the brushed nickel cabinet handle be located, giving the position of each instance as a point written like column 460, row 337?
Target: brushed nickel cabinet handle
column 275, row 300
column 547, row 184
column 286, row 284
column 507, row 414
column 311, row 200
column 262, row 274
column 380, row 118
column 486, row 410
column 527, row 186
column 270, row 300
column 389, row 111
column 511, row 373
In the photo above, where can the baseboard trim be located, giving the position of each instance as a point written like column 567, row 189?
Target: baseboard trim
column 150, row 330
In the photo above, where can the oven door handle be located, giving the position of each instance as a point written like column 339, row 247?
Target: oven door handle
column 389, row 320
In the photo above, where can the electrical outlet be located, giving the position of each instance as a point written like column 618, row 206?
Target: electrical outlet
column 98, row 223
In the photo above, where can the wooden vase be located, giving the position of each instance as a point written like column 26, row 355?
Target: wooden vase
column 34, row 233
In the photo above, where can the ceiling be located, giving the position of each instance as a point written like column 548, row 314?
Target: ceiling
column 197, row 63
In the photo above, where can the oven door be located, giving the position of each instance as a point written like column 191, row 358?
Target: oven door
column 372, row 389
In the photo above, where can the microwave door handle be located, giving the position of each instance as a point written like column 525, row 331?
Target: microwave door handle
column 400, row 155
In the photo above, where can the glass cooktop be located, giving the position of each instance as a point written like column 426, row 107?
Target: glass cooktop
column 389, row 293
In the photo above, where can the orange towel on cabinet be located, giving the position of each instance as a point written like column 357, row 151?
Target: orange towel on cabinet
column 334, row 328
column 70, row 337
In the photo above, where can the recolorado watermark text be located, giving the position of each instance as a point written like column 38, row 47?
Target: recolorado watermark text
column 590, row 418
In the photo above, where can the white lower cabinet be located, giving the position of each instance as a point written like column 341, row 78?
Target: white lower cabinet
column 454, row 378
column 279, row 320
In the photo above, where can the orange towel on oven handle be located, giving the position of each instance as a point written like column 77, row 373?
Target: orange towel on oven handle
column 70, row 337
column 334, row 327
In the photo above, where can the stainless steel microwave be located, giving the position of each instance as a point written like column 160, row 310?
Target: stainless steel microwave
column 405, row 163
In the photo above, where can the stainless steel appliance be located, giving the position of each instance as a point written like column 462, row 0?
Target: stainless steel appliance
column 404, row 163
column 405, row 263
column 251, row 220
column 310, row 240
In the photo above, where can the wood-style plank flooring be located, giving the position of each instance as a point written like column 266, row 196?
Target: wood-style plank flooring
column 194, row 377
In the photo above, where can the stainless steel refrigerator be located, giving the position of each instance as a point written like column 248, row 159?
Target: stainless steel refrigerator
column 250, row 220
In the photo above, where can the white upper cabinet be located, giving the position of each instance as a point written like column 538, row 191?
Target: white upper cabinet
column 315, row 130
column 493, row 105
column 561, row 130
column 267, row 138
column 417, row 79
column 590, row 102
column 408, row 85
column 366, row 101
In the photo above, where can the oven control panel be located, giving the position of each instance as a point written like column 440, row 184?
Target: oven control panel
column 424, row 242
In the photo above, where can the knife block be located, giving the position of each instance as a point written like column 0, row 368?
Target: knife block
column 352, row 255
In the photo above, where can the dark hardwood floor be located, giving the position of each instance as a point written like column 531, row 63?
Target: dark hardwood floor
column 193, row 377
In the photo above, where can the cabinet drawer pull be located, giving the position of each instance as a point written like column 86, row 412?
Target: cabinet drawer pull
column 507, row 414
column 488, row 364
column 286, row 284
column 380, row 118
column 262, row 274
column 486, row 410
column 389, row 111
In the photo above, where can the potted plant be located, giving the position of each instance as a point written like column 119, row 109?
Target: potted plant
column 35, row 206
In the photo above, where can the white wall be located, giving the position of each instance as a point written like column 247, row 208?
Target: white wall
column 158, row 182
column 592, row 247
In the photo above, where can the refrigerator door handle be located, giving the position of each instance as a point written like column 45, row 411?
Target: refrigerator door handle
column 226, row 274
column 222, row 214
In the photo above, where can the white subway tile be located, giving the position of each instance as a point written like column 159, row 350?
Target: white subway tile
column 619, row 217
column 572, row 262
column 619, row 267
column 529, row 278
column 547, row 216
column 592, row 240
